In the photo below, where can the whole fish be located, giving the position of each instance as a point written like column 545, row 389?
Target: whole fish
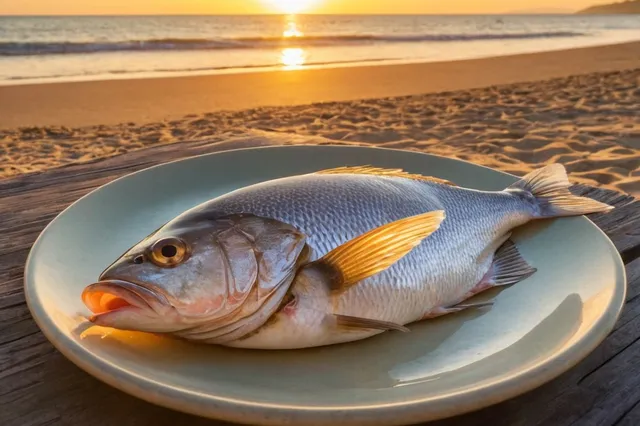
column 327, row 257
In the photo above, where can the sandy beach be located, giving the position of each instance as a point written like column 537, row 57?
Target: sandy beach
column 578, row 107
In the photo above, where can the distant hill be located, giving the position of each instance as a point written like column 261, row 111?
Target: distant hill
column 626, row 7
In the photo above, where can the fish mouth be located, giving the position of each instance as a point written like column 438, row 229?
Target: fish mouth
column 108, row 296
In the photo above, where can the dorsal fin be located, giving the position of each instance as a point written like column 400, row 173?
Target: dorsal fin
column 379, row 171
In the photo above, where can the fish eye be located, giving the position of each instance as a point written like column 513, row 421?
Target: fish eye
column 168, row 252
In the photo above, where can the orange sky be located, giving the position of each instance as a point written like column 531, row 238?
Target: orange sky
column 97, row 7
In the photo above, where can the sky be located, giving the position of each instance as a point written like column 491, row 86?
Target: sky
column 144, row 7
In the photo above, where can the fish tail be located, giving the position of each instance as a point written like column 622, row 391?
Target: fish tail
column 548, row 189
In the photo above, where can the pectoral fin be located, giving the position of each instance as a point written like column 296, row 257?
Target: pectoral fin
column 366, row 323
column 376, row 250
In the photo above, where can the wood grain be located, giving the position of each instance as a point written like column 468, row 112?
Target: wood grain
column 38, row 386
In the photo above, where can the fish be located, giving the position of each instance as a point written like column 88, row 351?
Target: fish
column 328, row 257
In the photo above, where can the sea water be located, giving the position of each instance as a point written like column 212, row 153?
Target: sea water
column 44, row 49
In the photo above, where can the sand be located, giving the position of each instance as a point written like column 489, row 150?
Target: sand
column 590, row 121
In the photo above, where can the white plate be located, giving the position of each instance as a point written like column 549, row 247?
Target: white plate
column 536, row 330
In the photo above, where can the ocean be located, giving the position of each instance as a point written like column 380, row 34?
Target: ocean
column 46, row 49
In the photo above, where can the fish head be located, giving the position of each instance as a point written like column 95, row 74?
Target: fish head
column 197, row 270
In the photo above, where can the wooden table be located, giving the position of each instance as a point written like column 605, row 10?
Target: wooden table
column 38, row 386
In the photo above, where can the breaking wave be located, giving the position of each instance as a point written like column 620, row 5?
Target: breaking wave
column 59, row 48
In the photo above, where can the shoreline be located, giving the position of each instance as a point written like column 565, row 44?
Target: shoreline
column 147, row 100
column 346, row 63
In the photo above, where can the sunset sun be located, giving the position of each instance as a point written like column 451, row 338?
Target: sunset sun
column 290, row 6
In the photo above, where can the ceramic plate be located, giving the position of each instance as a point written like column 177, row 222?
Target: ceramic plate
column 536, row 329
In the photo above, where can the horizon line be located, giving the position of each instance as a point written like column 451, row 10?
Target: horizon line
column 106, row 15
column 287, row 14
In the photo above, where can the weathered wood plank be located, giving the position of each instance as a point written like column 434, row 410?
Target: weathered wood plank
column 40, row 387
column 631, row 418
column 119, row 165
column 622, row 224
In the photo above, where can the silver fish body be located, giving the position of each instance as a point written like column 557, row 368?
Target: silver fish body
column 333, row 209
column 326, row 257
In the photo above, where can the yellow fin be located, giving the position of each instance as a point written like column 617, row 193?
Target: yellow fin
column 379, row 171
column 376, row 250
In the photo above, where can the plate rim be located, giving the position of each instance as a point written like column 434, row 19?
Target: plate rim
column 220, row 407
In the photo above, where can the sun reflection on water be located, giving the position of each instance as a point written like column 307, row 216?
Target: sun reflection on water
column 292, row 29
column 292, row 57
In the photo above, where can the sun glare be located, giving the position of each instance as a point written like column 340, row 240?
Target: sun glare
column 290, row 6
